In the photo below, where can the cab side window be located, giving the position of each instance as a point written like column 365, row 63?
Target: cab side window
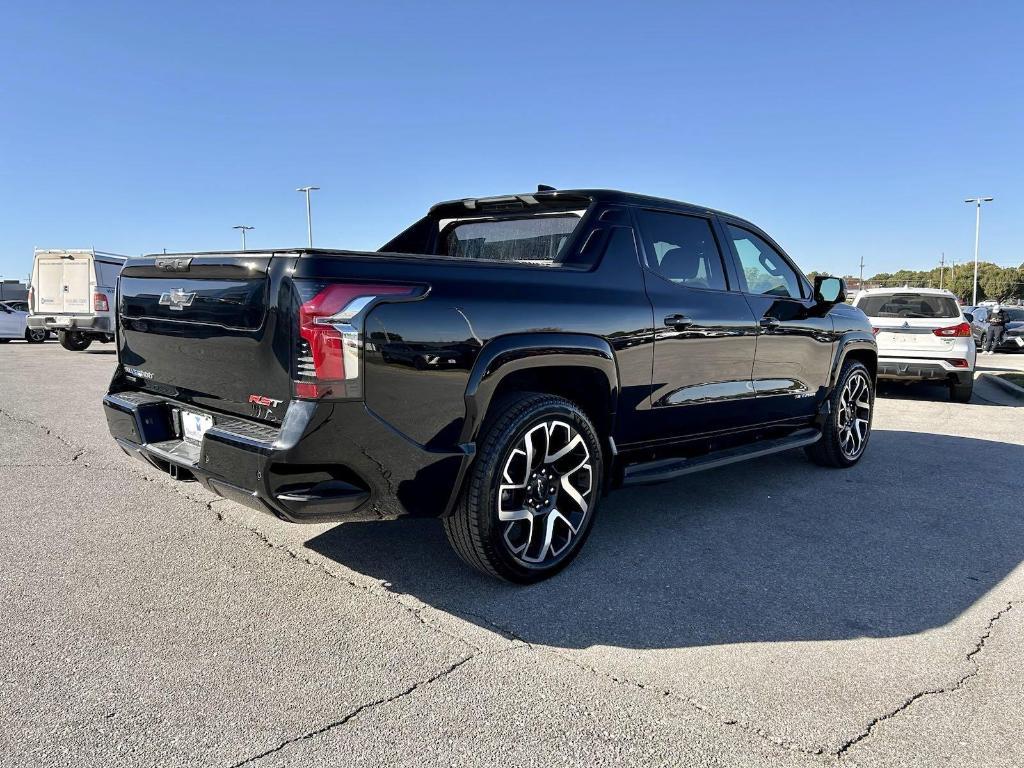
column 762, row 267
column 682, row 249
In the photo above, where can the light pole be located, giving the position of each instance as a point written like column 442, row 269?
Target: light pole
column 309, row 212
column 977, row 235
column 244, row 229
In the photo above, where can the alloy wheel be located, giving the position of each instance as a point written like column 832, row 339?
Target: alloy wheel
column 854, row 415
column 545, row 492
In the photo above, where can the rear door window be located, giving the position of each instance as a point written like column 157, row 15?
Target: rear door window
column 909, row 305
column 682, row 249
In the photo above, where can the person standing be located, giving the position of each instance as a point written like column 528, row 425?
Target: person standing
column 996, row 329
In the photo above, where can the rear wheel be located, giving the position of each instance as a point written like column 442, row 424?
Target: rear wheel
column 36, row 335
column 961, row 392
column 848, row 426
column 74, row 341
column 532, row 492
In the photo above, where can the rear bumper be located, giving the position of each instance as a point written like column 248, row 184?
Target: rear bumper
column 922, row 369
column 68, row 323
column 326, row 462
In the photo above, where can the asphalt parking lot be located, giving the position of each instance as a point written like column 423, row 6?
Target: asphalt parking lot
column 773, row 613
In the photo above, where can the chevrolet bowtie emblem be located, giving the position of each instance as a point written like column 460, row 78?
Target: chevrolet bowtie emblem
column 176, row 299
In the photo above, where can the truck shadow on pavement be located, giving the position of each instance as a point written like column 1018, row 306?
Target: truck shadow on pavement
column 777, row 549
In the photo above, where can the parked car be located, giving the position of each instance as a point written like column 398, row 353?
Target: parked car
column 72, row 293
column 1013, row 338
column 922, row 335
column 14, row 324
column 592, row 339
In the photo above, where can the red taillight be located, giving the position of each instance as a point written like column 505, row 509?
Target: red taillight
column 99, row 302
column 958, row 363
column 329, row 339
column 964, row 329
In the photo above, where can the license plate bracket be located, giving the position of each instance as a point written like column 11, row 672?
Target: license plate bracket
column 194, row 426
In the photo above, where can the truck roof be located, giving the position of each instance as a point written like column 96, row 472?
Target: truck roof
column 567, row 196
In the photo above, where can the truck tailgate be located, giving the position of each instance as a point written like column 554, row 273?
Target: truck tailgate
column 205, row 329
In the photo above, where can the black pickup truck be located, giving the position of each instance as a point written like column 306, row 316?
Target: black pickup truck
column 500, row 365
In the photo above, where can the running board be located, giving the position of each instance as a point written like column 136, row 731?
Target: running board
column 669, row 469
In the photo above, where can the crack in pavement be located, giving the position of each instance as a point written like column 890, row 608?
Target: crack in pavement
column 359, row 710
column 79, row 450
column 694, row 704
column 960, row 683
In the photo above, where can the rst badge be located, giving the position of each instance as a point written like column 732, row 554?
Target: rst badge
column 177, row 299
column 262, row 407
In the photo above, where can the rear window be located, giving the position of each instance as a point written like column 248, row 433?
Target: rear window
column 909, row 305
column 534, row 240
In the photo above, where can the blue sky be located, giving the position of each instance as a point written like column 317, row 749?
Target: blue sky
column 841, row 128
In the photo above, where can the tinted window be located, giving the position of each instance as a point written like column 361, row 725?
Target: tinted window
column 909, row 305
column 535, row 240
column 764, row 269
column 682, row 249
column 980, row 314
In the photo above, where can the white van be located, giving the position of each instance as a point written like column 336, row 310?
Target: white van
column 73, row 293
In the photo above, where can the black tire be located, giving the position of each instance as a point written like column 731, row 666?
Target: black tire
column 4, row 341
column 474, row 529
column 73, row 341
column 36, row 335
column 961, row 393
column 830, row 450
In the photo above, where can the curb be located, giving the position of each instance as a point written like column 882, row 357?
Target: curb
column 1007, row 386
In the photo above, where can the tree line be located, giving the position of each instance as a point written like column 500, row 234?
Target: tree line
column 994, row 282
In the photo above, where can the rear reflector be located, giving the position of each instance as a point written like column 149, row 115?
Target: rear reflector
column 958, row 363
column 964, row 329
column 330, row 336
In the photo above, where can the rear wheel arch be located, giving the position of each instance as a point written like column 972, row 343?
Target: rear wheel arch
column 578, row 367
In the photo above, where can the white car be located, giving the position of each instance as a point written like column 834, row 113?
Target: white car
column 922, row 335
column 14, row 324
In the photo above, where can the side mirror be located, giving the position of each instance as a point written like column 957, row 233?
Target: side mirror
column 968, row 317
column 829, row 290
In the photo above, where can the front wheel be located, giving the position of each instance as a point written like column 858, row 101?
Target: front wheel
column 531, row 495
column 848, row 425
column 36, row 335
column 73, row 341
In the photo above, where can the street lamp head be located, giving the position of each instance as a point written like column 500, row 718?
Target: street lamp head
column 979, row 200
column 242, row 226
column 307, row 189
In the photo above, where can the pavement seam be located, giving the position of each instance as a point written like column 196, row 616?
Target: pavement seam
column 374, row 590
column 689, row 701
column 79, row 450
column 960, row 683
column 351, row 715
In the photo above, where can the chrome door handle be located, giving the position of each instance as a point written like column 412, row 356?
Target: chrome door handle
column 768, row 322
column 678, row 321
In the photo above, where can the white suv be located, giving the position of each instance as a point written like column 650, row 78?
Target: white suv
column 922, row 336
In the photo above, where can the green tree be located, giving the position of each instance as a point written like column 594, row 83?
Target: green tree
column 1000, row 283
